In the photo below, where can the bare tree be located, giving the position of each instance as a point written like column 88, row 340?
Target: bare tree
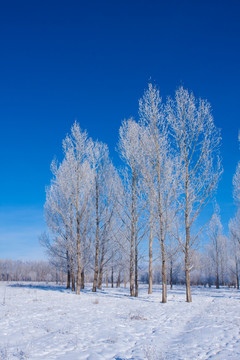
column 147, row 172
column 172, row 252
column 104, row 195
column 196, row 141
column 234, row 223
column 77, row 147
column 99, row 159
column 130, row 151
column 57, row 216
column 236, row 182
column 215, row 233
column 160, row 162
column 110, row 224
column 68, row 197
column 236, row 185
column 234, row 230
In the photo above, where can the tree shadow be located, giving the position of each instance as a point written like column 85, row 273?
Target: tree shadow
column 38, row 286
column 123, row 293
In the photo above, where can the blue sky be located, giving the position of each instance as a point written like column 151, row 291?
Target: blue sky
column 90, row 61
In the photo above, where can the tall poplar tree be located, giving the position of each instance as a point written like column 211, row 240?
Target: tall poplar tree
column 196, row 141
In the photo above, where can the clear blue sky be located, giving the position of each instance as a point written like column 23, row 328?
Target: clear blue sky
column 90, row 61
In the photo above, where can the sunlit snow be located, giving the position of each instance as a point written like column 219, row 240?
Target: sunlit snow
column 42, row 321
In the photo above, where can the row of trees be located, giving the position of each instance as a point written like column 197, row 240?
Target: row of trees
column 203, row 269
column 29, row 271
column 103, row 219
column 234, row 224
column 223, row 252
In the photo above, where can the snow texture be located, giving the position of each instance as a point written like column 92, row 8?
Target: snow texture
column 42, row 321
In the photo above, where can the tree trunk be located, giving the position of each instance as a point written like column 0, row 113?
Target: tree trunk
column 237, row 275
column 61, row 274
column 100, row 277
column 136, row 263
column 112, row 277
column 171, row 274
column 106, row 278
column 131, row 268
column 187, row 268
column 217, row 281
column 187, row 242
column 72, row 274
column 68, row 271
column 164, row 274
column 82, row 279
column 73, row 282
column 150, row 273
column 79, row 270
column 132, row 237
column 118, row 280
column 217, row 266
column 94, row 289
column 125, row 279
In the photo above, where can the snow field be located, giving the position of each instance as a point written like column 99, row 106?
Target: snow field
column 42, row 321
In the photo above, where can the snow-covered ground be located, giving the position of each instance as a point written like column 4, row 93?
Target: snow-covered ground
column 48, row 322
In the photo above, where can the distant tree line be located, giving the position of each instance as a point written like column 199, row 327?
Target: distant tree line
column 203, row 270
column 17, row 270
column 107, row 223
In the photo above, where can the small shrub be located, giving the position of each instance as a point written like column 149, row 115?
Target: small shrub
column 137, row 317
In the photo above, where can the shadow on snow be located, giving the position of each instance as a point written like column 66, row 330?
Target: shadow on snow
column 122, row 293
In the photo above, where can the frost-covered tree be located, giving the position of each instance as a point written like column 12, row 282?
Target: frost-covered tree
column 236, row 185
column 172, row 250
column 77, row 147
column 196, row 140
column 106, row 181
column 215, row 233
column 68, row 199
column 18, row 270
column 236, row 181
column 99, row 159
column 234, row 223
column 234, row 234
column 57, row 216
column 130, row 150
column 81, row 209
column 234, row 226
column 159, row 162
